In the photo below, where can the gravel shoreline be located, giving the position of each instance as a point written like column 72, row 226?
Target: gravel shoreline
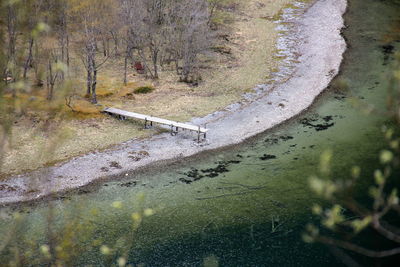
column 319, row 47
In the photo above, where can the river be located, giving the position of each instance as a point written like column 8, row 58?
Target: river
column 246, row 205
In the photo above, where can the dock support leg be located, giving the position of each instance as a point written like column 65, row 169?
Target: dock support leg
column 198, row 135
column 146, row 125
column 173, row 133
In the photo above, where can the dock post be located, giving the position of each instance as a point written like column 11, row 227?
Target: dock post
column 145, row 123
column 173, row 133
column 198, row 135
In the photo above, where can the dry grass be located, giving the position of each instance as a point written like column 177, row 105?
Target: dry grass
column 251, row 61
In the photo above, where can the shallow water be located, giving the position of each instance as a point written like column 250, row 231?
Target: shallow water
column 247, row 205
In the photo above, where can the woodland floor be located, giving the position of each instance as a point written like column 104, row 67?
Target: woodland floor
column 39, row 139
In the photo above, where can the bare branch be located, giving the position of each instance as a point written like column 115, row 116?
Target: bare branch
column 383, row 231
column 355, row 248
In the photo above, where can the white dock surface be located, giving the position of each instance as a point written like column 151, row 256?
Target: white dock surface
column 155, row 119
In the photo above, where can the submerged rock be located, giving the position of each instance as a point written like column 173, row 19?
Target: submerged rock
column 116, row 165
column 267, row 157
column 313, row 122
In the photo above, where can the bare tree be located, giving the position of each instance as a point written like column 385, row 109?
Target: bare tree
column 61, row 29
column 89, row 17
column 192, row 34
column 52, row 74
column 167, row 31
column 147, row 31
column 35, row 8
column 127, row 14
column 138, row 21
column 11, row 68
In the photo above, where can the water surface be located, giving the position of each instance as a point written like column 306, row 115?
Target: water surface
column 247, row 205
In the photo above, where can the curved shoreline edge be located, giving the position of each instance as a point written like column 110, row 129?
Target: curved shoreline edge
column 321, row 48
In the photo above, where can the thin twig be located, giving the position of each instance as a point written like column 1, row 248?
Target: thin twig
column 360, row 250
column 376, row 224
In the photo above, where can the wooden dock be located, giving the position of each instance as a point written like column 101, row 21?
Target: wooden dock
column 149, row 120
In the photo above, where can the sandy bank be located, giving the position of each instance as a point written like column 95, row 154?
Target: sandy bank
column 318, row 46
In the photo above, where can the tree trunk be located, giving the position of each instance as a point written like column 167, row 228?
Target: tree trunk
column 104, row 48
column 115, row 38
column 94, row 96
column 28, row 61
column 145, row 65
column 185, row 74
column 89, row 79
column 63, row 40
column 126, row 69
column 155, row 61
column 49, row 83
column 11, row 28
column 155, row 69
column 62, row 55
column 12, row 40
column 177, row 65
column 67, row 48
column 189, row 59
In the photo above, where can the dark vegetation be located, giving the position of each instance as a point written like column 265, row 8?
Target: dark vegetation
column 144, row 90
column 196, row 175
column 319, row 124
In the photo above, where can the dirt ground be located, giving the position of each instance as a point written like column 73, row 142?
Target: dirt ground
column 39, row 140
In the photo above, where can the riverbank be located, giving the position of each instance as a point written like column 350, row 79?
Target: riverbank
column 318, row 49
column 243, row 48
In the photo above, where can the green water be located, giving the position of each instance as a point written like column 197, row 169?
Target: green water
column 219, row 206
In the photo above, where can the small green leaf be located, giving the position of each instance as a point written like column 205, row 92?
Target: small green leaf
column 136, row 217
column 317, row 185
column 312, row 230
column 379, row 178
column 355, row 172
column 389, row 134
column 373, row 192
column 105, row 250
column 325, row 162
column 117, row 204
column 333, row 217
column 317, row 209
column 386, row 156
column 307, row 238
column 393, row 198
column 359, row 225
column 148, row 212
column 394, row 144
column 44, row 249
column 121, row 262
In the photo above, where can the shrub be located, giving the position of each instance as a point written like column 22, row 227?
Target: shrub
column 144, row 90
